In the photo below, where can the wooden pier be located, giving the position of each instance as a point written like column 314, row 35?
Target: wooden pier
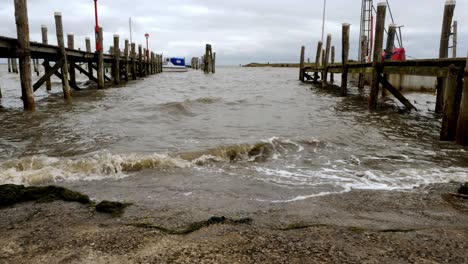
column 67, row 60
column 451, row 73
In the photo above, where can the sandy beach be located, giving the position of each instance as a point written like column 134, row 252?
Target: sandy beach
column 424, row 225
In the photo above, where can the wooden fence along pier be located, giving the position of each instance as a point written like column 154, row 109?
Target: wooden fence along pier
column 125, row 62
column 207, row 62
column 452, row 74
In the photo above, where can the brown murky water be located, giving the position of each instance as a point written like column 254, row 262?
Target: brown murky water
column 242, row 136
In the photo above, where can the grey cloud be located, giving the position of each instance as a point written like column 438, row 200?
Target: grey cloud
column 241, row 31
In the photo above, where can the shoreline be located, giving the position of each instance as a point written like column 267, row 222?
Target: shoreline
column 423, row 225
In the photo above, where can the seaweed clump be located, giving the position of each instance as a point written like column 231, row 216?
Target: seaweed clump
column 12, row 194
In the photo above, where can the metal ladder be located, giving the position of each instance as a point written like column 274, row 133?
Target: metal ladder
column 366, row 28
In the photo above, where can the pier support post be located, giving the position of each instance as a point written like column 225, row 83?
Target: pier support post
column 22, row 29
column 100, row 66
column 208, row 59
column 90, row 62
column 317, row 61
column 462, row 126
column 36, row 69
column 452, row 97
column 9, row 64
column 301, row 64
column 126, row 65
column 377, row 55
column 325, row 62
column 133, row 61
column 389, row 50
column 63, row 54
column 45, row 40
column 116, row 66
column 14, row 65
column 449, row 10
column 364, row 53
column 344, row 58
column 140, row 61
column 332, row 61
column 213, row 63
column 71, row 45
column 454, row 38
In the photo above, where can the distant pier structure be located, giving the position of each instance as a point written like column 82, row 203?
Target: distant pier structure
column 207, row 62
column 67, row 60
column 451, row 73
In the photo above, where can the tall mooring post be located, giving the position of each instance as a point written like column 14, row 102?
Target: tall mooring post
column 100, row 66
column 116, row 63
column 71, row 45
column 332, row 61
column 45, row 40
column 90, row 62
column 133, row 61
column 140, row 61
column 462, row 124
column 63, row 54
column 452, row 96
column 22, row 29
column 9, row 64
column 325, row 62
column 301, row 64
column 126, row 65
column 377, row 54
column 344, row 58
column 364, row 47
column 389, row 49
column 449, row 10
column 208, row 58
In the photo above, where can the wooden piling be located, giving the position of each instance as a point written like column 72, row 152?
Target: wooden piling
column 126, row 65
column 364, row 53
column 100, row 67
column 133, row 61
column 9, row 64
column 63, row 54
column 389, row 50
column 90, row 62
column 22, row 29
column 462, row 124
column 377, row 55
column 325, row 61
column 71, row 45
column 208, row 59
column 45, row 40
column 14, row 65
column 116, row 63
column 449, row 10
column 344, row 58
column 36, row 69
column 454, row 39
column 452, row 98
column 213, row 63
column 332, row 60
column 140, row 61
column 301, row 64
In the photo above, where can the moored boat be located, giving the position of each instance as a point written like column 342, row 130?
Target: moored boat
column 173, row 64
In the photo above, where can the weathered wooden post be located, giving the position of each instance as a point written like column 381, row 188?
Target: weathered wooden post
column 332, row 60
column 63, row 54
column 389, row 50
column 377, row 56
column 454, row 38
column 90, row 62
column 22, row 29
column 116, row 60
column 36, row 70
column 100, row 66
column 301, row 65
column 462, row 126
column 344, row 58
column 213, row 63
column 364, row 51
column 14, row 65
column 207, row 58
column 443, row 50
column 9, row 64
column 126, row 66
column 45, row 40
column 323, row 66
column 452, row 98
column 140, row 60
column 71, row 45
column 327, row 57
column 133, row 61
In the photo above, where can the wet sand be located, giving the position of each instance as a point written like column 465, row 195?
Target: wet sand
column 424, row 225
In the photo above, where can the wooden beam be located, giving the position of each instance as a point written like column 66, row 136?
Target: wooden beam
column 452, row 97
column 462, row 123
column 85, row 72
column 48, row 73
column 396, row 93
column 325, row 61
column 344, row 58
column 63, row 54
column 301, row 62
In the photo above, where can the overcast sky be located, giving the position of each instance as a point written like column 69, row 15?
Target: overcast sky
column 241, row 31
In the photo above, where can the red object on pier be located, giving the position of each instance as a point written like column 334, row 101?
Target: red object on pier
column 398, row 54
column 96, row 30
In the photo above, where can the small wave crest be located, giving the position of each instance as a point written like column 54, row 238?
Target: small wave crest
column 37, row 170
